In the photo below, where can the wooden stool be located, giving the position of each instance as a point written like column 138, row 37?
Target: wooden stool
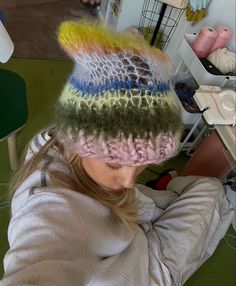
column 13, row 110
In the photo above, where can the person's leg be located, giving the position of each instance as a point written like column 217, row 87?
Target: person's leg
column 190, row 228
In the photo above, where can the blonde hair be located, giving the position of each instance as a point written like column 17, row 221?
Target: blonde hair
column 122, row 204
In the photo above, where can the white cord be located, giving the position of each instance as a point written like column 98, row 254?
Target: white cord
column 233, row 236
column 227, row 242
column 4, row 204
column 4, row 200
column 234, row 248
column 3, row 196
column 3, row 184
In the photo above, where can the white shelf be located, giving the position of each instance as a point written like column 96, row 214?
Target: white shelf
column 198, row 71
column 203, row 77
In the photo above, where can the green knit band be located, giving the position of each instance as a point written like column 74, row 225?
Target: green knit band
column 112, row 113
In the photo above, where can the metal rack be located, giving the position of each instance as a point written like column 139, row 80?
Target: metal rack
column 158, row 22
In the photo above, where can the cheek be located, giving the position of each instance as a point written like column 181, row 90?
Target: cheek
column 95, row 172
column 107, row 178
column 99, row 172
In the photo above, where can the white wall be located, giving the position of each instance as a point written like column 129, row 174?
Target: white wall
column 219, row 13
column 130, row 14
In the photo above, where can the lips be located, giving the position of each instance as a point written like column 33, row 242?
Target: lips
column 117, row 190
column 114, row 189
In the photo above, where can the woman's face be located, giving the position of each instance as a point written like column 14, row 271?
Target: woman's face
column 111, row 176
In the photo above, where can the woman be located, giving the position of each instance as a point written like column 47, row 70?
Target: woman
column 77, row 216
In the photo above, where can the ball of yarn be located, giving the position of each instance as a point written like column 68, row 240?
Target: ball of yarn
column 224, row 60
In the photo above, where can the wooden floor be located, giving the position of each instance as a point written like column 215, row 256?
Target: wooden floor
column 32, row 25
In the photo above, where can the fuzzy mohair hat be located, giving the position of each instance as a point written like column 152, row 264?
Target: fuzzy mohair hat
column 118, row 104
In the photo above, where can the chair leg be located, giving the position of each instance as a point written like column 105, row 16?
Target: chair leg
column 13, row 158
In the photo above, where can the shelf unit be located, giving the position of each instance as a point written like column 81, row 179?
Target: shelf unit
column 196, row 68
column 202, row 77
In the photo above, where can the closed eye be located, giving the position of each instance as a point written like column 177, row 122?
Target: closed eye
column 114, row 166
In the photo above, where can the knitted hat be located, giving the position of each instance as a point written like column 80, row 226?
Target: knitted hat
column 117, row 105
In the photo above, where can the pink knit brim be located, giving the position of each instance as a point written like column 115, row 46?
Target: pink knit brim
column 130, row 151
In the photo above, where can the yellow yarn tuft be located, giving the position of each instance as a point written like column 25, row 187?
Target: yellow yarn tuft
column 89, row 37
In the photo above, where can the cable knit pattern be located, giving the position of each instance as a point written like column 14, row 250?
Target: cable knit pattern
column 130, row 151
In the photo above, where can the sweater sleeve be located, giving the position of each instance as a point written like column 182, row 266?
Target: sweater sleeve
column 190, row 226
column 48, row 244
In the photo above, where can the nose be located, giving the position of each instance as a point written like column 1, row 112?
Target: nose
column 128, row 178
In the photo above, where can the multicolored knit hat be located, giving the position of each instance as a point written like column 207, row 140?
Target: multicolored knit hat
column 117, row 105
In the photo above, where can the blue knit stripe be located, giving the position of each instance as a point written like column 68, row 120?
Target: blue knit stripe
column 118, row 85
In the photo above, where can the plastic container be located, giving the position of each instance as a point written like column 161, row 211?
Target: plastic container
column 196, row 68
